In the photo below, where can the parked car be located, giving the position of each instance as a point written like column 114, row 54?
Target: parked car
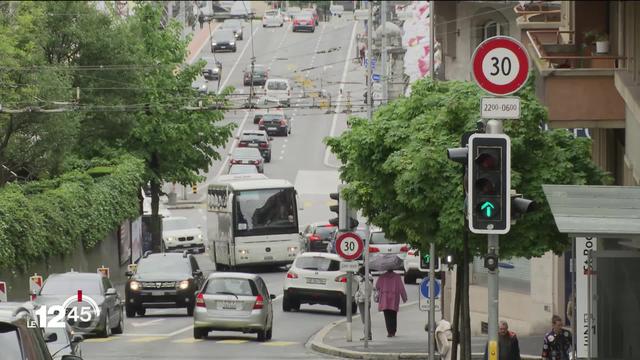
column 257, row 139
column 66, row 343
column 303, row 22
column 234, row 25
column 272, row 18
column 260, row 75
column 239, row 169
column 336, row 10
column 59, row 287
column 213, row 72
column 314, row 13
column 379, row 243
column 223, row 40
column 279, row 124
column 279, row 89
column 315, row 278
column 179, row 233
column 247, row 155
column 317, row 236
column 163, row 280
column 234, row 302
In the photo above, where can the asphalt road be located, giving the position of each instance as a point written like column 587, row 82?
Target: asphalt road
column 301, row 158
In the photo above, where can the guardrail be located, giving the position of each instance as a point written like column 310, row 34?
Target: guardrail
column 540, row 9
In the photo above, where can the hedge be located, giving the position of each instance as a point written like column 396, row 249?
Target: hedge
column 50, row 217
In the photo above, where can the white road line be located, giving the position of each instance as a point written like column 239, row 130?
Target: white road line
column 161, row 335
column 280, row 158
column 233, row 145
column 284, row 146
column 145, row 323
column 286, row 140
column 246, row 46
column 345, row 71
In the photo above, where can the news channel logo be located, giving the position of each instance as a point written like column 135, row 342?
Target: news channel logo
column 80, row 312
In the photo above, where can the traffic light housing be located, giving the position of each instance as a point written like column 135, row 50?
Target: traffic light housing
column 425, row 259
column 489, row 184
column 346, row 219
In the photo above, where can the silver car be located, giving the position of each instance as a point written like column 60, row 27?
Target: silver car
column 234, row 302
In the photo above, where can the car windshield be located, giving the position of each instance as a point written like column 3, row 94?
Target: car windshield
column 223, row 35
column 231, row 24
column 242, row 169
column 265, row 211
column 10, row 342
column 177, row 223
column 379, row 238
column 271, row 13
column 257, row 69
column 69, row 285
column 171, row 264
column 277, row 85
column 269, row 117
column 317, row 263
column 231, row 286
column 253, row 137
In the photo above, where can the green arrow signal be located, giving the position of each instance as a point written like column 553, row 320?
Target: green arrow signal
column 487, row 207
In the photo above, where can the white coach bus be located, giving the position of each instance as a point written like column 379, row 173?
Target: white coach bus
column 252, row 220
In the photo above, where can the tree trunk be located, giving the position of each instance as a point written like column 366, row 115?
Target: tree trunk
column 156, row 224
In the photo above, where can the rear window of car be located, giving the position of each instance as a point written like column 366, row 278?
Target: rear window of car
column 10, row 342
column 69, row 285
column 252, row 137
column 246, row 152
column 227, row 286
column 306, row 17
column 325, row 231
column 380, row 238
column 271, row 13
column 317, row 263
column 277, row 85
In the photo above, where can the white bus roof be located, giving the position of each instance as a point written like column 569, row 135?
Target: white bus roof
column 246, row 183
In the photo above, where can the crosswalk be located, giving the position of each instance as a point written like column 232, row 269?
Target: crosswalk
column 188, row 340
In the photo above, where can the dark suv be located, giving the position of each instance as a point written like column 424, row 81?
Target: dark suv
column 163, row 280
column 257, row 139
column 275, row 124
column 21, row 338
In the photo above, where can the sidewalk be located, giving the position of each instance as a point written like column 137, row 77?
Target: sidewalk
column 410, row 341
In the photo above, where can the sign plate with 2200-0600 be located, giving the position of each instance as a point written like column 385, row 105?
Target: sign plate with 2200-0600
column 500, row 108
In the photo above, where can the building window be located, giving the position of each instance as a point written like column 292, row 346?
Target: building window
column 491, row 28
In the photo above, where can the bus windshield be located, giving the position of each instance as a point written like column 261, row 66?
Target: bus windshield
column 265, row 212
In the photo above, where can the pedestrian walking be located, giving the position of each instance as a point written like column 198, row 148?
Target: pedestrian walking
column 361, row 295
column 390, row 289
column 557, row 342
column 508, row 345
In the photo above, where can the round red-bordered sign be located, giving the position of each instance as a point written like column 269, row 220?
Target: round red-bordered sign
column 500, row 65
column 349, row 246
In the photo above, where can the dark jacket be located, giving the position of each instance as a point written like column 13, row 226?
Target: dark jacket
column 508, row 347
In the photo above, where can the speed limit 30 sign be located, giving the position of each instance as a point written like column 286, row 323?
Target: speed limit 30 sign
column 349, row 246
column 500, row 65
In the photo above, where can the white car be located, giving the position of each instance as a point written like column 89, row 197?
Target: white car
column 272, row 18
column 336, row 10
column 279, row 89
column 379, row 243
column 412, row 267
column 180, row 233
column 315, row 278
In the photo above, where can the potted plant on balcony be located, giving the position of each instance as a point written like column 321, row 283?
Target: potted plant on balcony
column 602, row 43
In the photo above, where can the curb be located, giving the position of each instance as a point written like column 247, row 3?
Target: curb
column 316, row 343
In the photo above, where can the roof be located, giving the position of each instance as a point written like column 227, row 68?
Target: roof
column 80, row 275
column 259, row 183
column 238, row 275
column 321, row 254
column 604, row 211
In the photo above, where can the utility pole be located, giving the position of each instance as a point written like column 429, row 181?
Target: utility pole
column 432, row 246
column 369, row 60
column 383, row 50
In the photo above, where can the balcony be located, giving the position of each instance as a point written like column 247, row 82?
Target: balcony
column 576, row 85
column 538, row 15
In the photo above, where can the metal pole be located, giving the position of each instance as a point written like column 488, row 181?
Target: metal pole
column 383, row 50
column 589, row 305
column 369, row 57
column 493, row 245
column 349, row 306
column 432, row 300
column 367, row 295
column 432, row 42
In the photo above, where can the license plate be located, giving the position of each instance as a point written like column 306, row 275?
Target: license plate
column 253, row 145
column 316, row 281
column 268, row 257
column 228, row 305
column 157, row 293
column 272, row 128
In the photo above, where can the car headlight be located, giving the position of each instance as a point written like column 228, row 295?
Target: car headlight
column 134, row 285
column 292, row 248
column 200, row 237
column 216, row 70
column 243, row 252
column 232, row 43
column 183, row 285
column 170, row 239
column 214, row 43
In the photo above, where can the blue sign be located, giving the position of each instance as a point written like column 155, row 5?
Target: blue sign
column 375, row 77
column 373, row 63
column 424, row 287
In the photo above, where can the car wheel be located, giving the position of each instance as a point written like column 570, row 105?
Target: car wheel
column 264, row 26
column 409, row 279
column 130, row 310
column 270, row 333
column 141, row 311
column 199, row 333
column 343, row 308
column 262, row 335
column 190, row 309
column 106, row 332
column 234, row 49
column 281, row 24
column 213, row 50
column 286, row 303
column 120, row 328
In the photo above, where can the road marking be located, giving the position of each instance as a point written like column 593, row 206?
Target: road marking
column 98, row 340
column 286, row 140
column 246, row 46
column 146, row 323
column 233, row 342
column 233, row 144
column 280, row 158
column 187, row 341
column 147, row 339
column 345, row 71
column 279, row 343
column 284, row 146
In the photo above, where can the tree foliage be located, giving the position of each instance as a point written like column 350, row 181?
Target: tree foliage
column 398, row 172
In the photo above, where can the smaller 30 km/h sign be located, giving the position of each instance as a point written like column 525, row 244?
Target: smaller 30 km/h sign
column 349, row 246
column 500, row 65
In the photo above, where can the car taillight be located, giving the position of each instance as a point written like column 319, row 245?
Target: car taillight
column 373, row 249
column 292, row 275
column 314, row 238
column 283, row 123
column 243, row 144
column 200, row 300
column 411, row 252
column 234, row 161
column 264, row 145
column 259, row 302
column 341, row 278
column 256, row 162
column 404, row 248
column 261, row 122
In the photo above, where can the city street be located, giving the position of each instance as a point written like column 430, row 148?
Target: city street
column 300, row 158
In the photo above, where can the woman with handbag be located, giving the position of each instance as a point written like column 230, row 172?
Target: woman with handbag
column 390, row 289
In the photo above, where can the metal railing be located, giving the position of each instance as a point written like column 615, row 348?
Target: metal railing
column 527, row 12
column 570, row 61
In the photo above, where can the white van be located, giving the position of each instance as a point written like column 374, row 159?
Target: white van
column 279, row 89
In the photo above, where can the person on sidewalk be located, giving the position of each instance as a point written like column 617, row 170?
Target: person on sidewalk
column 443, row 339
column 557, row 342
column 361, row 295
column 508, row 345
column 390, row 289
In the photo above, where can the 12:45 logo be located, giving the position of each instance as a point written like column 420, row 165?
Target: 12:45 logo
column 75, row 310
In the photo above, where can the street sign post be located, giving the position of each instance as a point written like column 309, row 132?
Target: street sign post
column 424, row 300
column 104, row 271
column 375, row 77
column 35, row 284
column 500, row 108
column 500, row 65
column 349, row 246
column 349, row 266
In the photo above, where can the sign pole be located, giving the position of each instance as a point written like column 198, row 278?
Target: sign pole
column 367, row 295
column 349, row 307
column 432, row 300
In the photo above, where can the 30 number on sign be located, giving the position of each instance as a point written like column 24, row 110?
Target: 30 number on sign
column 501, row 66
column 349, row 246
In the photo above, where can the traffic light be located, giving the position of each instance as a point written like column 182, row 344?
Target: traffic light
column 489, row 183
column 346, row 219
column 425, row 259
column 491, row 261
column 521, row 206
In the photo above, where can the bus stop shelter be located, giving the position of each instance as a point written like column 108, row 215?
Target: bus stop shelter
column 604, row 224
